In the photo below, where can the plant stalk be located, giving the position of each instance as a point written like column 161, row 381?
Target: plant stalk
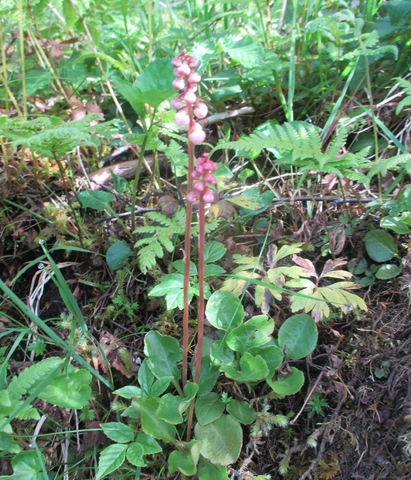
column 187, row 251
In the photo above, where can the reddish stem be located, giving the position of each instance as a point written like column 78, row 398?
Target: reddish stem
column 201, row 243
column 187, row 245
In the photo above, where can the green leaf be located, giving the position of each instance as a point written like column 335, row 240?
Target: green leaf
column 70, row 15
column 118, row 432
column 213, row 251
column 207, row 471
column 386, row 272
column 224, row 311
column 394, row 224
column 208, row 408
column 255, row 332
column 151, row 424
column 221, row 354
column 180, row 267
column 8, row 444
column 148, row 444
column 243, row 50
column 184, row 462
column 146, row 378
column 299, row 335
column 169, row 409
column 220, row 441
column 160, row 386
column 252, row 369
column 163, row 353
column 71, row 389
column 171, row 286
column 27, row 465
column 212, row 270
column 103, row 56
column 117, row 254
column 380, row 245
column 272, row 355
column 130, row 391
column 241, row 411
column 95, row 199
column 111, row 458
column 135, row 454
column 288, row 385
column 154, row 84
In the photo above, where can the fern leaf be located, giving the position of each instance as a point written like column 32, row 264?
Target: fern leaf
column 31, row 376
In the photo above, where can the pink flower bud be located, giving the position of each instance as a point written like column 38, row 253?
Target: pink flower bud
column 191, row 197
column 190, row 97
column 199, row 187
column 194, row 77
column 208, row 196
column 178, row 83
column 201, row 110
column 197, row 137
column 182, row 118
column 193, row 62
column 211, row 166
column 183, row 70
column 176, row 62
column 210, row 178
column 176, row 103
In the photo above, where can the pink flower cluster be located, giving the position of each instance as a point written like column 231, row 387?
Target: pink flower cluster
column 187, row 80
column 202, row 173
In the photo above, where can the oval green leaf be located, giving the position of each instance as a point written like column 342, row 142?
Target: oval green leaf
column 117, row 254
column 241, row 411
column 220, row 441
column 288, row 385
column 299, row 335
column 224, row 310
column 380, row 245
column 385, row 272
column 208, row 408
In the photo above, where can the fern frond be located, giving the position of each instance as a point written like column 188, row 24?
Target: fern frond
column 391, row 164
column 336, row 144
column 31, row 376
column 158, row 237
column 406, row 86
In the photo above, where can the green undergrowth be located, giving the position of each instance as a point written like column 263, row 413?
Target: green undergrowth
column 312, row 207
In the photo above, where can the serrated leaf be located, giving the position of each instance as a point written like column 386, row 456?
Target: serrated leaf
column 135, row 454
column 130, row 391
column 118, row 432
column 212, row 270
column 111, row 458
column 213, row 251
column 148, row 444
column 306, row 265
